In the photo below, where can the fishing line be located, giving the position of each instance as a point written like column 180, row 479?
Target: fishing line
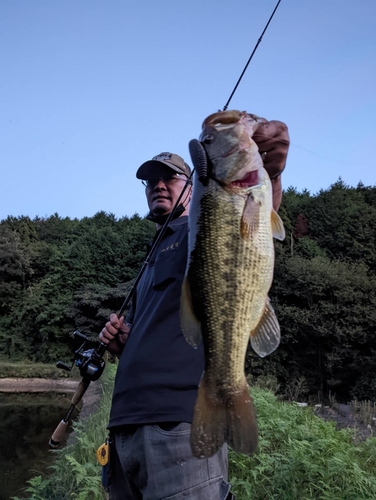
column 250, row 58
column 339, row 162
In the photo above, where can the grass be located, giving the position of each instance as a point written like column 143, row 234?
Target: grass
column 28, row 369
column 366, row 411
column 300, row 457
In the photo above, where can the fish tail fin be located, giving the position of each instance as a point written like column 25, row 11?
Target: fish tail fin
column 242, row 431
column 216, row 421
column 209, row 423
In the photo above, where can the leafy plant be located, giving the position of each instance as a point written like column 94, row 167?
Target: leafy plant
column 302, row 457
column 295, row 389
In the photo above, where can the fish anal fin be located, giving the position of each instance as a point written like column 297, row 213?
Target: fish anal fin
column 278, row 229
column 190, row 325
column 266, row 336
column 217, row 420
column 249, row 223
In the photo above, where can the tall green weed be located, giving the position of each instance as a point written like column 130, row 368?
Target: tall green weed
column 302, row 457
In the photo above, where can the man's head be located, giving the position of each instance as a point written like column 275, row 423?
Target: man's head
column 164, row 177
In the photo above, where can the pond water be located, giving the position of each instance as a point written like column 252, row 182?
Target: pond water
column 26, row 424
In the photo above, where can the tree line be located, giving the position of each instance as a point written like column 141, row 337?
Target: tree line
column 58, row 275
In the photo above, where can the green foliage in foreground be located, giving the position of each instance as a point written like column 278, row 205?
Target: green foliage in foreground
column 300, row 457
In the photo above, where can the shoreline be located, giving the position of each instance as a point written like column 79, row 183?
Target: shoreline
column 18, row 385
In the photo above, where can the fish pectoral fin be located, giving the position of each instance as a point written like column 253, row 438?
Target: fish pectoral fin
column 278, row 229
column 190, row 325
column 249, row 223
column 266, row 336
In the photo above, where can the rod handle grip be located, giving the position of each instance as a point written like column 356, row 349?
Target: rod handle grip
column 58, row 434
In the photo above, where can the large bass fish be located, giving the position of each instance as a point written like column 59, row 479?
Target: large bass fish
column 229, row 273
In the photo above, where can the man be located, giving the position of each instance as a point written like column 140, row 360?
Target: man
column 158, row 373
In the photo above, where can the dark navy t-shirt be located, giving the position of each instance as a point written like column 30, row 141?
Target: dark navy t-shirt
column 158, row 372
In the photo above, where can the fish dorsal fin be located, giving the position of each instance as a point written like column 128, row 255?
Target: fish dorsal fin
column 277, row 226
column 249, row 222
column 266, row 336
column 189, row 323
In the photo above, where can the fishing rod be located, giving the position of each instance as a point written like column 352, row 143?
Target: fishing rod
column 89, row 359
column 196, row 148
column 250, row 58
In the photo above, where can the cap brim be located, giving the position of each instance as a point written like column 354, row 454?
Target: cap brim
column 153, row 168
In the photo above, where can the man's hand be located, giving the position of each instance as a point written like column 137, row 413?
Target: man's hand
column 272, row 139
column 115, row 334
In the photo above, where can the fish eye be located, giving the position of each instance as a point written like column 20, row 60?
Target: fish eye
column 208, row 139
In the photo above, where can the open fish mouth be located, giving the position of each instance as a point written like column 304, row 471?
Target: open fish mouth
column 249, row 180
column 223, row 119
column 227, row 119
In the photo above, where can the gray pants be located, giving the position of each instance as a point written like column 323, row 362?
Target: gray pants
column 153, row 462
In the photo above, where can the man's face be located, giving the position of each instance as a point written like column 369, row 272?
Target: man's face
column 163, row 191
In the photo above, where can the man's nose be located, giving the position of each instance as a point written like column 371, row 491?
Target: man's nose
column 160, row 184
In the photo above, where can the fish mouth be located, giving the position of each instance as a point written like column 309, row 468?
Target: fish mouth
column 249, row 180
column 223, row 119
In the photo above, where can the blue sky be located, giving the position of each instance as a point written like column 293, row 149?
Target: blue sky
column 90, row 89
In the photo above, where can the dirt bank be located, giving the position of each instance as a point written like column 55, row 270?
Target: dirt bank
column 345, row 418
column 18, row 385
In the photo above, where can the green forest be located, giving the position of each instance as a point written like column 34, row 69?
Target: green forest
column 58, row 275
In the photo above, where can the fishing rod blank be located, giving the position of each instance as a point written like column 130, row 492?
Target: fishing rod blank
column 250, row 58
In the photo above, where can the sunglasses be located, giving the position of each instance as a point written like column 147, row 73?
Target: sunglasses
column 166, row 179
